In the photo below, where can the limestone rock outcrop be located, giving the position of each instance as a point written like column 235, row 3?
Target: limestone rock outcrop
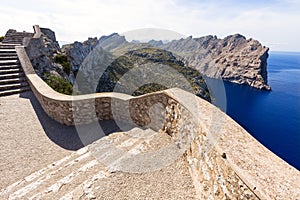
column 42, row 52
column 234, row 58
column 118, row 45
column 77, row 52
column 149, row 70
column 111, row 63
column 112, row 41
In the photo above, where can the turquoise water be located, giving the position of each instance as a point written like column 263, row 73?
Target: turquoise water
column 273, row 118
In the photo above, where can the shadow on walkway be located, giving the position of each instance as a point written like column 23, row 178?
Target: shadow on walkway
column 70, row 137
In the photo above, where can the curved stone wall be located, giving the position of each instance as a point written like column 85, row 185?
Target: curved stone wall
column 225, row 161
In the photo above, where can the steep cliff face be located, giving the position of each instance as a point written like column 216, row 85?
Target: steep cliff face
column 113, row 64
column 77, row 52
column 234, row 58
column 149, row 70
column 43, row 52
column 118, row 45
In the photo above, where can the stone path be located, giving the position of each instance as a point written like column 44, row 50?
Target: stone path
column 25, row 145
column 86, row 175
column 38, row 162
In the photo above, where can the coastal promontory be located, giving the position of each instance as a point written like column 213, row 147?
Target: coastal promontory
column 234, row 58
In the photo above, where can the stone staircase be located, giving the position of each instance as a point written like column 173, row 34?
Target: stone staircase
column 14, row 37
column 102, row 170
column 12, row 78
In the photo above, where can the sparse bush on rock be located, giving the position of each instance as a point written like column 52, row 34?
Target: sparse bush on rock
column 63, row 60
column 59, row 84
column 147, row 64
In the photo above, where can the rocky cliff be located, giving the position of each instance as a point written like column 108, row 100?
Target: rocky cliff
column 113, row 64
column 49, row 62
column 77, row 52
column 148, row 70
column 43, row 52
column 234, row 58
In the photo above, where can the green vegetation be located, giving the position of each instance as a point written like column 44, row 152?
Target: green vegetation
column 64, row 61
column 151, row 59
column 59, row 84
column 148, row 88
column 1, row 38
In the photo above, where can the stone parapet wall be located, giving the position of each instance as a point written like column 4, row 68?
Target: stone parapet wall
column 225, row 161
column 212, row 175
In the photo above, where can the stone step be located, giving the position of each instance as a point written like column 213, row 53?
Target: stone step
column 55, row 181
column 5, row 67
column 138, row 152
column 13, row 36
column 87, row 188
column 51, row 177
column 61, row 179
column 8, row 52
column 8, row 57
column 14, row 91
column 7, row 46
column 50, row 169
column 113, row 147
column 10, row 71
column 11, row 76
column 12, row 86
column 12, row 81
column 12, row 40
column 16, row 34
column 15, row 42
column 139, row 140
column 8, row 62
column 68, row 183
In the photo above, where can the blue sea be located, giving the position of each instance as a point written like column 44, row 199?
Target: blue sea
column 273, row 118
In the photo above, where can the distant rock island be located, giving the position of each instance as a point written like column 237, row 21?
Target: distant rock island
column 234, row 59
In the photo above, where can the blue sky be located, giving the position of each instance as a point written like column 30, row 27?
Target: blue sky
column 275, row 23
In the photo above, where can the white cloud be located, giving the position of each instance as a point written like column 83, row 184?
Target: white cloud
column 77, row 19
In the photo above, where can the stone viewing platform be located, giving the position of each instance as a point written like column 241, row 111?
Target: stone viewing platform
column 173, row 145
column 29, row 138
column 46, row 141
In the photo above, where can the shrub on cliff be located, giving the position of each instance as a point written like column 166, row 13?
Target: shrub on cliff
column 1, row 38
column 148, row 88
column 64, row 61
column 59, row 84
column 145, row 63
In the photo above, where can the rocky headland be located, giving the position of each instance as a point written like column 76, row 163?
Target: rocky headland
column 105, row 65
column 234, row 59
column 170, row 138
